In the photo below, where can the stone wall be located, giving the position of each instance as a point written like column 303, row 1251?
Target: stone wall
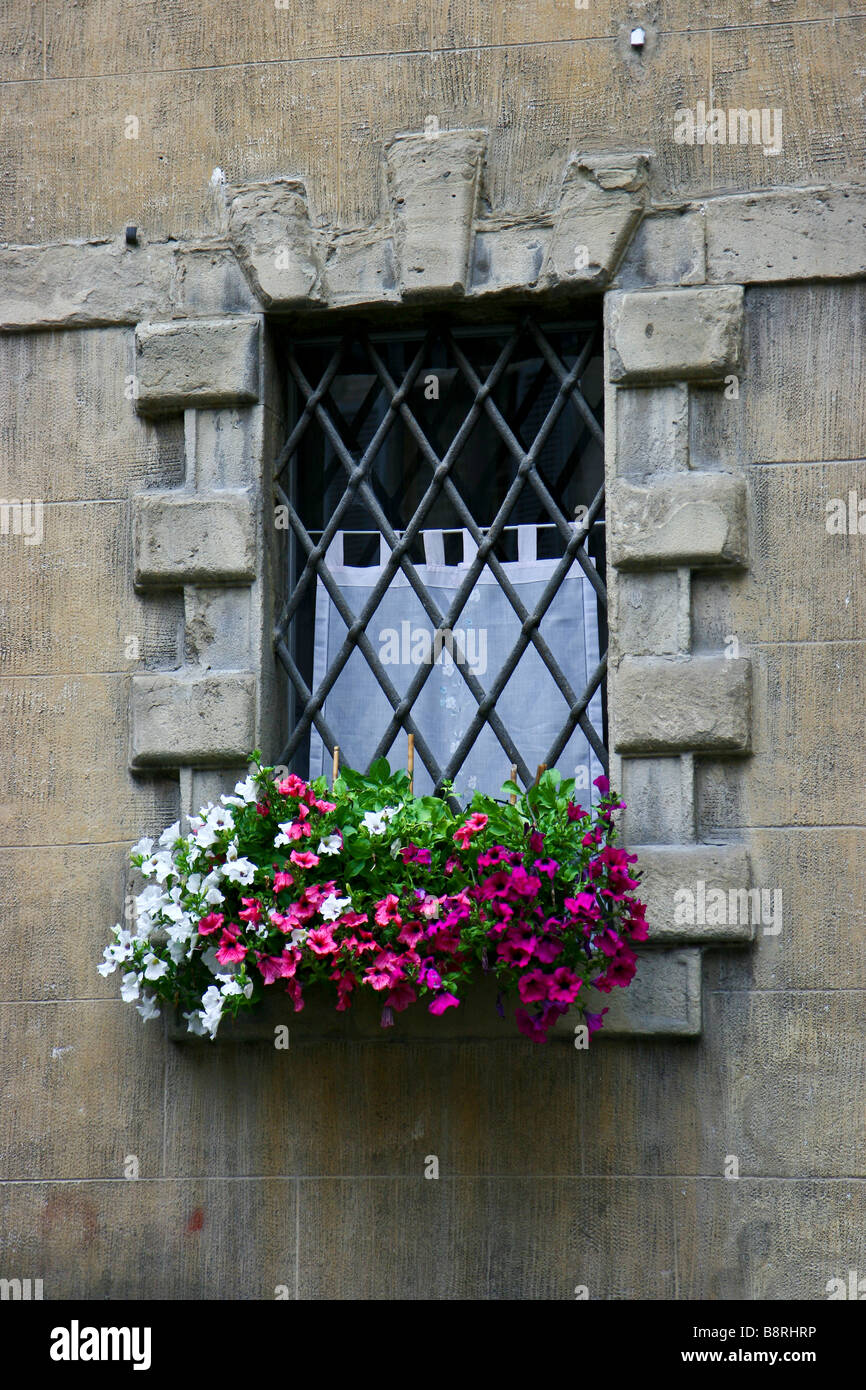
column 303, row 1170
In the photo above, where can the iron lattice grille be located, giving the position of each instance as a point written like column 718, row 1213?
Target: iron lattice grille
column 516, row 429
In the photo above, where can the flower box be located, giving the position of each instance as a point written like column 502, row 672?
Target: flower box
column 365, row 904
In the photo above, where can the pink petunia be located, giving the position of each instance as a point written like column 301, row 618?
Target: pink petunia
column 291, row 786
column 230, row 950
column 211, row 923
column 252, row 911
column 321, row 941
column 401, row 996
column 563, row 986
column 442, row 1002
column 533, row 987
column 305, row 859
column 546, row 866
column 386, row 910
column 282, row 880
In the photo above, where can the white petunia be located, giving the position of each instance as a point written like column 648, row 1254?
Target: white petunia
column 212, row 1010
column 206, row 837
column 283, row 837
column 170, row 835
column 130, row 988
column 240, row 871
column 231, row 985
column 149, row 1008
column 144, row 846
column 245, row 792
column 377, row 821
column 333, row 907
column 194, row 1024
column 154, row 968
column 150, row 899
column 332, row 844
column 221, row 818
column 214, row 896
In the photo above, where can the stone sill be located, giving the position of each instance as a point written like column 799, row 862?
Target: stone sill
column 664, row 1002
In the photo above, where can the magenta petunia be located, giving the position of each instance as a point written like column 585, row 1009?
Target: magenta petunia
column 442, row 1002
column 211, row 923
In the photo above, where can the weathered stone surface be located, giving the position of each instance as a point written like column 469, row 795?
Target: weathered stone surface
column 772, row 1240
column 807, row 768
column 648, row 613
column 83, row 283
column 508, row 254
column 651, row 430
column 667, row 249
column 433, row 183
column 820, row 567
column 802, row 235
column 44, row 957
column 219, row 627
column 663, row 999
column 696, row 519
column 196, row 363
column 196, row 539
column 601, row 203
column 200, row 1239
column 79, row 389
column 657, row 793
column 181, row 720
column 67, row 603
column 269, row 225
column 209, row 281
column 700, row 703
column 823, row 936
column 801, row 397
column 664, row 335
column 67, row 782
column 68, row 1114
column 700, row 870
column 360, row 268
column 582, row 1225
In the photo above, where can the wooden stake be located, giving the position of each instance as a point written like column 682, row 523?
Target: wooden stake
column 513, row 796
column 542, row 767
column 336, row 769
column 410, row 762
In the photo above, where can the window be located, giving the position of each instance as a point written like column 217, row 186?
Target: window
column 442, row 495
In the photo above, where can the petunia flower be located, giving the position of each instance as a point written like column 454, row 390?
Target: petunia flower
column 304, row 859
column 443, row 1001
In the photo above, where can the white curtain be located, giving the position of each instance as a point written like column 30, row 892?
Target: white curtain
column 531, row 707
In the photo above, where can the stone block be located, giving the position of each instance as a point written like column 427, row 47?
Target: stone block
column 433, row 184
column 269, row 225
column 201, row 539
column 809, row 234
column 192, row 721
column 693, row 519
column 667, row 249
column 196, row 362
column 649, row 613
column 666, row 335
column 703, row 871
column 700, row 704
column 663, row 1000
column 651, row 430
column 601, row 203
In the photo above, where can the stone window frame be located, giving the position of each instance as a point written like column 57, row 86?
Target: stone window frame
column 438, row 242
column 199, row 308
